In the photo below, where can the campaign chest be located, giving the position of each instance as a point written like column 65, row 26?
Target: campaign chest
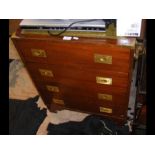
column 91, row 75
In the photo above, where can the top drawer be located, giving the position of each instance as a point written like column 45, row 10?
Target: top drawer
column 65, row 52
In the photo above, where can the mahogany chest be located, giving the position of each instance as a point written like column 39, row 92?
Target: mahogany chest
column 92, row 75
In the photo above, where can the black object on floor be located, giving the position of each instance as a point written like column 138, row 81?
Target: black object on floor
column 91, row 125
column 25, row 117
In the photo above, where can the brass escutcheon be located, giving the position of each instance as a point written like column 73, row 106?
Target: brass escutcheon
column 104, row 97
column 106, row 59
column 58, row 101
column 103, row 80
column 38, row 53
column 105, row 110
column 45, row 72
column 52, row 88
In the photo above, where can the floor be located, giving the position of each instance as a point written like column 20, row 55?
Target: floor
column 22, row 87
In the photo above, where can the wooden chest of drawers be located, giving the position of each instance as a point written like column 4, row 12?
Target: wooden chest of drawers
column 89, row 74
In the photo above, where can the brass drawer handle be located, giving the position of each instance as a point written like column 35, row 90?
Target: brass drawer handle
column 45, row 72
column 104, row 97
column 105, row 110
column 52, row 88
column 103, row 80
column 58, row 101
column 105, row 59
column 38, row 53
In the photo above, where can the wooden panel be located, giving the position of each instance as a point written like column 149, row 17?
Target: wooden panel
column 78, row 84
column 83, row 85
column 75, row 72
column 75, row 53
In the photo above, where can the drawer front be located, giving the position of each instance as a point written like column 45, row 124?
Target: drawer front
column 87, row 104
column 98, row 56
column 116, row 109
column 83, row 85
column 48, row 73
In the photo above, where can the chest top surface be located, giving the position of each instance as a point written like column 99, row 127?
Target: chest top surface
column 119, row 41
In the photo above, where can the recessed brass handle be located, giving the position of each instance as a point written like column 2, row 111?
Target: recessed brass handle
column 105, row 110
column 104, row 97
column 106, row 59
column 38, row 53
column 52, row 88
column 58, row 101
column 45, row 72
column 103, row 80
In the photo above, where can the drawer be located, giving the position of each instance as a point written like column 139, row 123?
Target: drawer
column 94, row 55
column 49, row 73
column 82, row 85
column 105, row 97
column 104, row 108
column 116, row 109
